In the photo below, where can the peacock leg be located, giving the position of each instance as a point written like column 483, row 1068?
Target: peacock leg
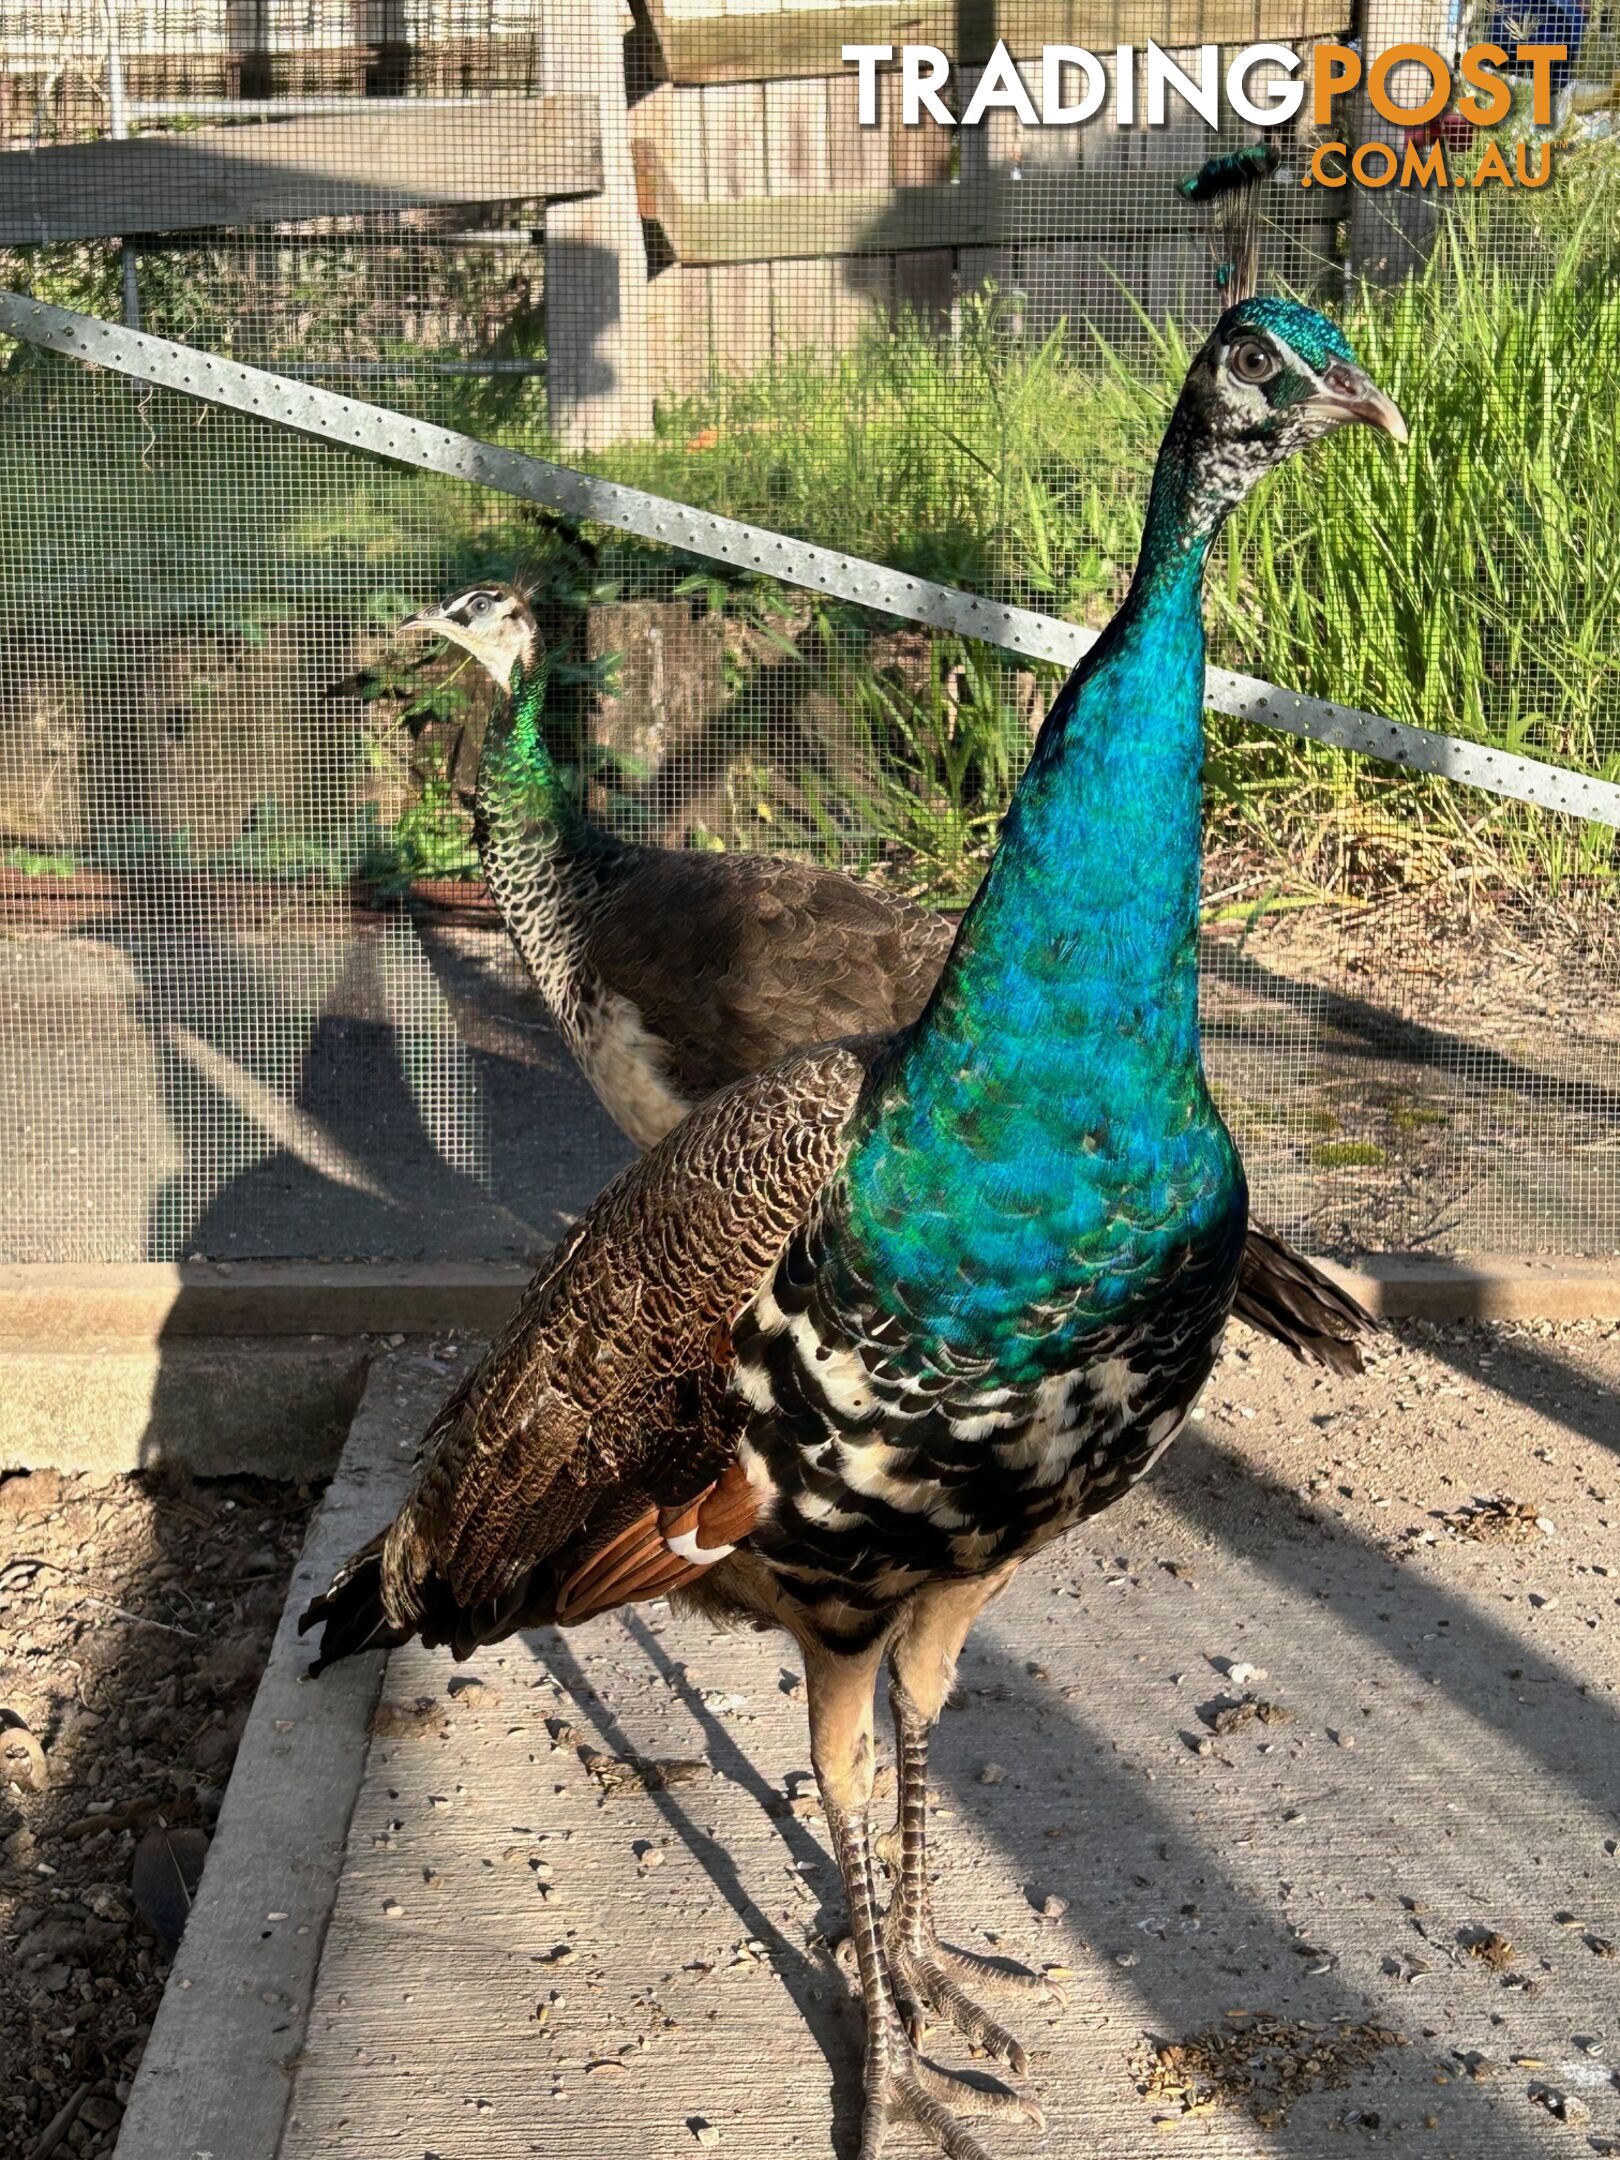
column 925, row 1973
column 896, row 2086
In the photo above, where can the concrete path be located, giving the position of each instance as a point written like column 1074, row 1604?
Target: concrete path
column 1410, row 1867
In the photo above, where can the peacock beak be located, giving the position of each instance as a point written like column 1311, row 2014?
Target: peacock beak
column 1348, row 394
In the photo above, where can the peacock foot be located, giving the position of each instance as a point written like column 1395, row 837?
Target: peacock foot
column 929, row 1977
column 902, row 2088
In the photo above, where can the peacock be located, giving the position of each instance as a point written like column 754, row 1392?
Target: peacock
column 671, row 972
column 871, row 1327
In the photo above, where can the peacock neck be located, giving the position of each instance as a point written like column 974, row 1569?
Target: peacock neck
column 1050, row 1105
column 1083, row 936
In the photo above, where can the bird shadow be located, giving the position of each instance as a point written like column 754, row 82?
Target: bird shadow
column 1241, row 1939
column 1523, row 1372
column 1487, row 1670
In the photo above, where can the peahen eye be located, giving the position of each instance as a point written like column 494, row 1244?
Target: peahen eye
column 481, row 606
column 1251, row 362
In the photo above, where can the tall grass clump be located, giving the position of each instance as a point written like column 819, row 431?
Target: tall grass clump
column 1468, row 584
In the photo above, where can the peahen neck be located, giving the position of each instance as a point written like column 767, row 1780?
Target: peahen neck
column 521, row 794
column 543, row 861
column 1048, row 1115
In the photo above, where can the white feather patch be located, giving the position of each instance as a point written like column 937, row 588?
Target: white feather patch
column 1160, row 1434
column 686, row 1547
column 625, row 1064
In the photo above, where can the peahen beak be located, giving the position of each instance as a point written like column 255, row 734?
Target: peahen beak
column 1348, row 394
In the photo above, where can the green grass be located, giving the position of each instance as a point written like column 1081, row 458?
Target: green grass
column 1348, row 1155
column 1469, row 584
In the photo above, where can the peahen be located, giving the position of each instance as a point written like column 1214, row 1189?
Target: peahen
column 871, row 1327
column 670, row 973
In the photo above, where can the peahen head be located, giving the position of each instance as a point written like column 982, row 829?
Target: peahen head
column 1273, row 376
column 492, row 622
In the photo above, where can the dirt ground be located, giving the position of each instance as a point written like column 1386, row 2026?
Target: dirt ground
column 1435, row 1071
column 135, row 1614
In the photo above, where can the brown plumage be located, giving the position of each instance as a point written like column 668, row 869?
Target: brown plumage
column 552, row 1478
column 672, row 973
column 733, row 962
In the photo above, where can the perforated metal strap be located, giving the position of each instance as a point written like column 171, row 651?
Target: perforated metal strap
column 333, row 418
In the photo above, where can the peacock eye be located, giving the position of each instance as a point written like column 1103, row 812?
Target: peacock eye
column 481, row 605
column 1250, row 362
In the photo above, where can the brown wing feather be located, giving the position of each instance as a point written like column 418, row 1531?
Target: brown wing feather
column 602, row 1403
column 1288, row 1297
column 738, row 961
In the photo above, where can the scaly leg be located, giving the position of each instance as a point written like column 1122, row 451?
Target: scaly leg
column 926, row 1975
column 897, row 2086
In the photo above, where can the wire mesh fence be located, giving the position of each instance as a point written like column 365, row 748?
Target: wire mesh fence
column 258, row 1003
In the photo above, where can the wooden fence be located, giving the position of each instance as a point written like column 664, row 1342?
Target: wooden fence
column 785, row 224
column 709, row 201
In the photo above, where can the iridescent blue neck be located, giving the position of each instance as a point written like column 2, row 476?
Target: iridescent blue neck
column 1084, row 931
column 1042, row 1143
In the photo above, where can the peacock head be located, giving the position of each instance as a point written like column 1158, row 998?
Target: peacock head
column 1273, row 376
column 492, row 622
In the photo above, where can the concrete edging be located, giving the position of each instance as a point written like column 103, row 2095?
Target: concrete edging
column 237, row 2000
column 73, row 1307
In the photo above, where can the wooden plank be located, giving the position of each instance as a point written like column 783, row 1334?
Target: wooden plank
column 796, row 151
column 598, row 377
column 678, row 332
column 858, row 157
column 285, row 172
column 777, row 43
column 1391, row 229
column 804, row 306
column 925, row 286
column 734, row 142
column 864, row 299
column 666, row 145
column 921, row 156
column 734, row 165
column 1045, row 207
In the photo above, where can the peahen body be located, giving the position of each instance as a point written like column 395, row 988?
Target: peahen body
column 871, row 1327
column 670, row 973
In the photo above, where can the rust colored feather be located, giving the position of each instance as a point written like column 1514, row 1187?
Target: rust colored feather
column 638, row 1564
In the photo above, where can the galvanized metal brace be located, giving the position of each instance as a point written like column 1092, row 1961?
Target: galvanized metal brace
column 330, row 417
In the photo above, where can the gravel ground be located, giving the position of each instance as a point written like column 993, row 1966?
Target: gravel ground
column 135, row 1614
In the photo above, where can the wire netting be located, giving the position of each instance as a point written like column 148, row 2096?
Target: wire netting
column 258, row 1002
